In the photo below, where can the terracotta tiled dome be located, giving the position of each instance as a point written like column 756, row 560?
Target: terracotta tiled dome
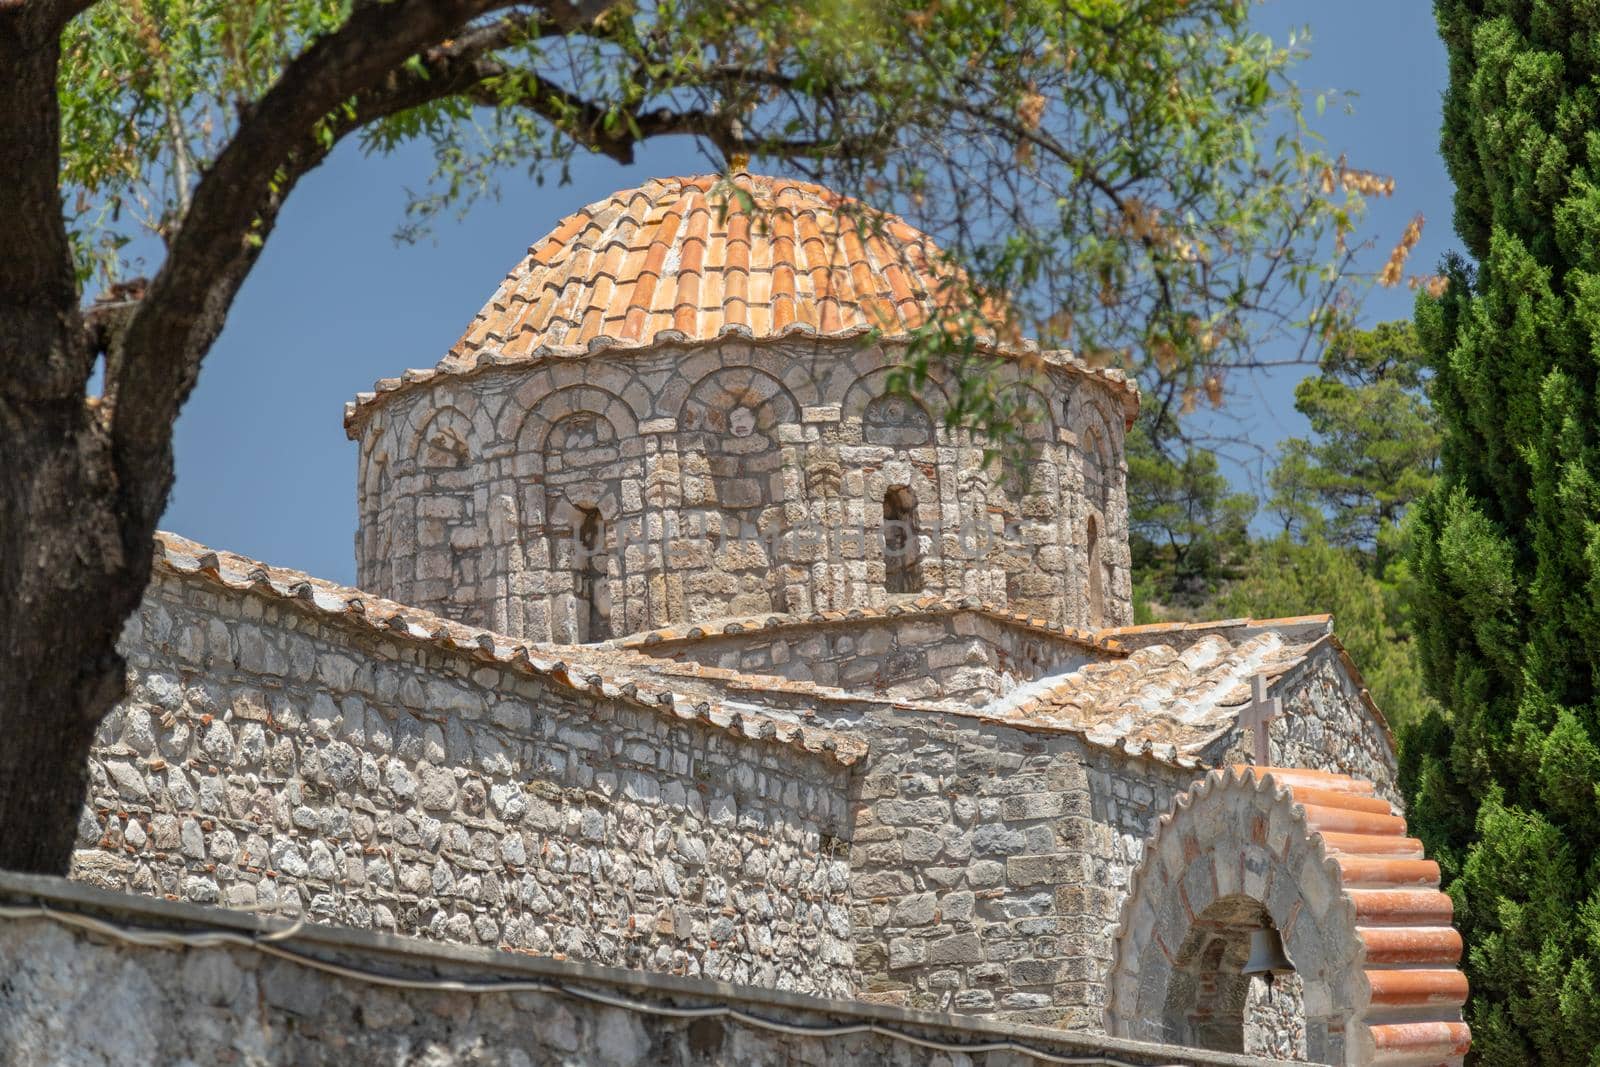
column 688, row 254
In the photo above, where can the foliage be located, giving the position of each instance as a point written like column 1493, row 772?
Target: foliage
column 1507, row 545
column 1373, row 450
column 1376, row 441
column 1188, row 530
column 1341, row 495
column 1285, row 577
column 1133, row 175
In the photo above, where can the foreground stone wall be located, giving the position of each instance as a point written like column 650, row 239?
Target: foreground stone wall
column 585, row 496
column 989, row 865
column 964, row 656
column 70, row 998
column 431, row 794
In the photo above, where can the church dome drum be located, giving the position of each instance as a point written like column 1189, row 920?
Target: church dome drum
column 677, row 408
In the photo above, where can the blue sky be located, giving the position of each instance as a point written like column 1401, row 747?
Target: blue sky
column 335, row 303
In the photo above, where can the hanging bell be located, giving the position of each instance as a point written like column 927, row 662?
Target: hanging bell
column 1266, row 955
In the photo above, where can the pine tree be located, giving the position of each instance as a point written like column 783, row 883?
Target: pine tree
column 1374, row 447
column 1287, row 577
column 1506, row 547
column 1189, row 532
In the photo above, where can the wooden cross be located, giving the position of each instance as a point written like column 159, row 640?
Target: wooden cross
column 1255, row 716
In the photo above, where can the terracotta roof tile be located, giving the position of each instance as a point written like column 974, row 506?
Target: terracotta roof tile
column 1402, row 919
column 1183, row 695
column 805, row 259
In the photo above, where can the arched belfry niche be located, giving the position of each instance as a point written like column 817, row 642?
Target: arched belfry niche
column 1103, row 513
column 1328, row 864
column 581, row 460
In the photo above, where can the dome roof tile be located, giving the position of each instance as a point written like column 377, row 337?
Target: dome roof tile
column 700, row 254
column 699, row 259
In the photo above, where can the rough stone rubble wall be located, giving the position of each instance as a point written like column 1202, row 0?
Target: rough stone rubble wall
column 729, row 479
column 71, row 998
column 989, row 866
column 969, row 866
column 432, row 795
column 1326, row 725
column 961, row 656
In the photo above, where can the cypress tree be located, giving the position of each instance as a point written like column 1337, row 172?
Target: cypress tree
column 1506, row 547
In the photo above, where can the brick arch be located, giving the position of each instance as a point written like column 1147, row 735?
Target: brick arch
column 447, row 439
column 552, row 408
column 1328, row 863
column 874, row 385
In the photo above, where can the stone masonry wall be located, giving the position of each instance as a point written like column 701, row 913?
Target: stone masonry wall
column 585, row 497
column 962, row 656
column 1326, row 725
column 269, row 758
column 72, row 998
column 989, row 865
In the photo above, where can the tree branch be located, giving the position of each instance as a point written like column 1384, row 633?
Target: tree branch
column 470, row 67
column 345, row 81
column 234, row 208
column 54, row 14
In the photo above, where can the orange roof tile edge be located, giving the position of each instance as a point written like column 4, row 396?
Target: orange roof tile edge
column 1412, row 951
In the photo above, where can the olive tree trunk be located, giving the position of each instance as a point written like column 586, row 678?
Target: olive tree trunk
column 84, row 480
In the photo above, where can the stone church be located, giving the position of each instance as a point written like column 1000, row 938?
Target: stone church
column 688, row 641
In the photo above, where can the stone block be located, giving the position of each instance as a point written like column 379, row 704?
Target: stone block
column 997, row 840
column 1034, row 972
column 956, row 907
column 917, row 910
column 1033, row 806
column 974, row 1000
column 985, row 874
column 958, row 948
column 907, row 952
column 1049, row 870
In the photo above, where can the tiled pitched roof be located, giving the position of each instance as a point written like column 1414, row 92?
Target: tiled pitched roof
column 1164, row 702
column 1161, row 697
column 563, row 667
column 1304, row 630
column 1164, row 691
column 692, row 260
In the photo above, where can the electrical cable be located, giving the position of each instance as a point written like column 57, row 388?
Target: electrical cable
column 270, row 944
